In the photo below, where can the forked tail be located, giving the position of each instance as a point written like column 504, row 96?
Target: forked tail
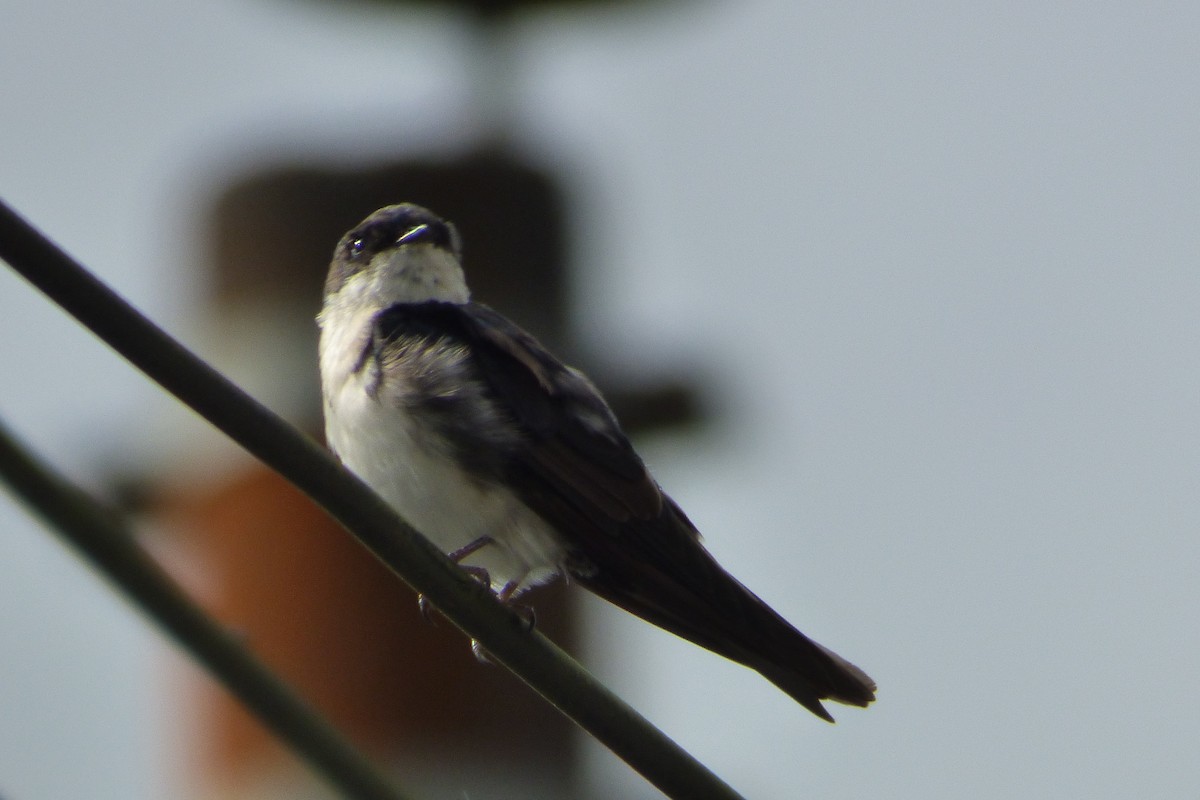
column 814, row 673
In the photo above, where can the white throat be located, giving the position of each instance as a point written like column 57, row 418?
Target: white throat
column 414, row 274
column 379, row 438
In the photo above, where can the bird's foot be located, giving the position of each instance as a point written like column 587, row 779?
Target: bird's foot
column 525, row 612
column 425, row 607
column 480, row 574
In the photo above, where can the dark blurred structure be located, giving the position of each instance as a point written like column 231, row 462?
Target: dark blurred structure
column 273, row 234
column 310, row 600
column 492, row 9
column 275, row 231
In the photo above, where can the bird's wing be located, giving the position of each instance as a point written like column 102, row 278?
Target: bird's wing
column 575, row 467
column 571, row 444
column 631, row 544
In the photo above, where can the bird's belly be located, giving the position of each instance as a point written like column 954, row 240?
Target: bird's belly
column 409, row 468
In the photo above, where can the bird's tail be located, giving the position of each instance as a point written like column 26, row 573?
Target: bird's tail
column 710, row 607
column 810, row 673
column 659, row 571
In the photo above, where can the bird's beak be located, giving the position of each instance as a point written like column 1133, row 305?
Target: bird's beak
column 412, row 233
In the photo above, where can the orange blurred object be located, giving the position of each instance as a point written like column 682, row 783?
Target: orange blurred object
column 347, row 634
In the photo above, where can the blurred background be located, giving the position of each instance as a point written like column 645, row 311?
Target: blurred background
column 922, row 279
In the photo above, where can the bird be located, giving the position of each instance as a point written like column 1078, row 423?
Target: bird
column 512, row 463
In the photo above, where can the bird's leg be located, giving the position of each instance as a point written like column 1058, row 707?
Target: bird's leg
column 467, row 549
column 507, row 591
column 478, row 573
column 505, row 595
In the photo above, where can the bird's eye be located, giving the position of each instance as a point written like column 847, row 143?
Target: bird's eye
column 357, row 246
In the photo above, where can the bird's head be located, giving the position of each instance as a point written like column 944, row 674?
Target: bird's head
column 398, row 254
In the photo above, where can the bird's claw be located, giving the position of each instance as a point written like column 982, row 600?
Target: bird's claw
column 425, row 607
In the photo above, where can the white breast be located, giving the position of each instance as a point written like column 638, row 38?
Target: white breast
column 386, row 447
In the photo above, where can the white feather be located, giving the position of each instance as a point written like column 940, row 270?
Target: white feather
column 404, row 462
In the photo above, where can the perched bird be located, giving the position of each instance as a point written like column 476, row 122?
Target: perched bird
column 512, row 463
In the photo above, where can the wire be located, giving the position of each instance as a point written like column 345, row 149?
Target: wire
column 503, row 634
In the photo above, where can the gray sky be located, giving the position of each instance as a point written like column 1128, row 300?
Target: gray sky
column 940, row 260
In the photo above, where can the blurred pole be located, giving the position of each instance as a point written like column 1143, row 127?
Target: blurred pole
column 315, row 605
column 309, row 600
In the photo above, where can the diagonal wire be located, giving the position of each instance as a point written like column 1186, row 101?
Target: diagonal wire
column 467, row 604
column 103, row 537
